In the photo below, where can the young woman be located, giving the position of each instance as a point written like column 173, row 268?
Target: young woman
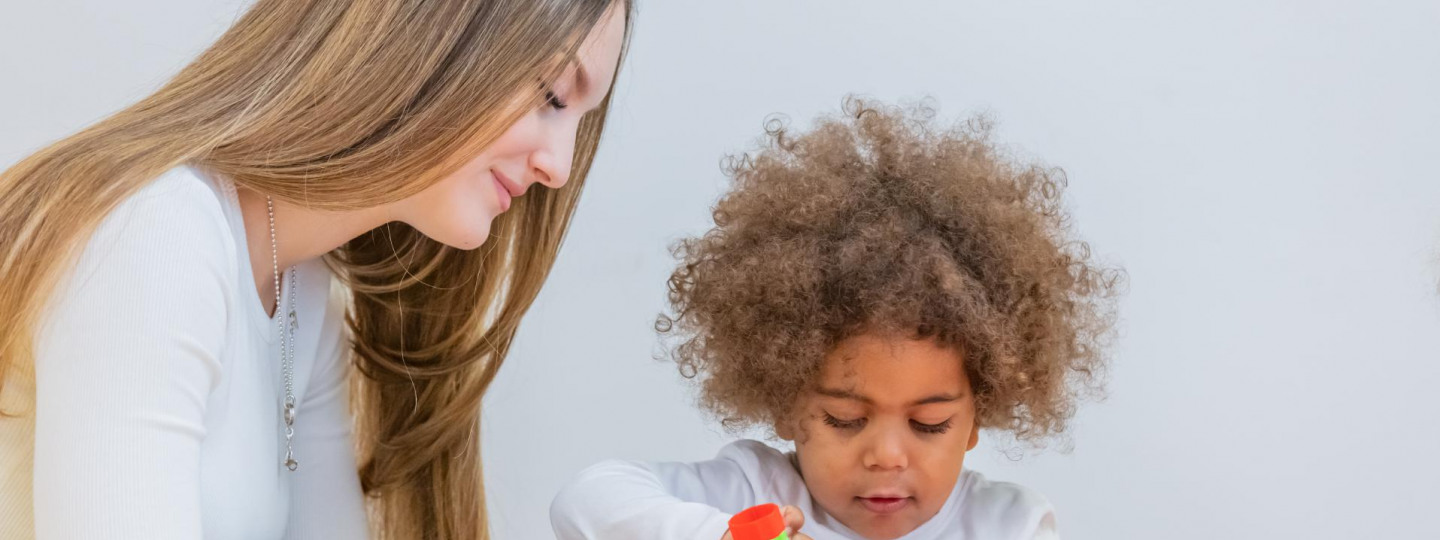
column 202, row 295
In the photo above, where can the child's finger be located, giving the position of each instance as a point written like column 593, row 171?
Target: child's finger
column 794, row 518
column 800, row 536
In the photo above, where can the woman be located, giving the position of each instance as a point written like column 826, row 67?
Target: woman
column 171, row 350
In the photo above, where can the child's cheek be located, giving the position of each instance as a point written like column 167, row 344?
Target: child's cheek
column 837, row 450
column 825, row 468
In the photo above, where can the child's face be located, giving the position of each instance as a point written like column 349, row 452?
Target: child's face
column 882, row 439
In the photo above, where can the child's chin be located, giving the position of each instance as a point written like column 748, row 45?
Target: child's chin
column 885, row 534
column 884, row 527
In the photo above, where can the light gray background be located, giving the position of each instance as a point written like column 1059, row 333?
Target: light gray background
column 1266, row 171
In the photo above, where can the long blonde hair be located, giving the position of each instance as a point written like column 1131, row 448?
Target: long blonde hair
column 345, row 104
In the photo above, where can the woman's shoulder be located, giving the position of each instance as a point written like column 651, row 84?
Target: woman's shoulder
column 179, row 206
column 161, row 266
column 183, row 196
column 176, row 225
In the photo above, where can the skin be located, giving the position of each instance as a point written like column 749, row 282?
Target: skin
column 458, row 210
column 881, row 439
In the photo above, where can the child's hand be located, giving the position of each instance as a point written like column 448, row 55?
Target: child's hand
column 794, row 519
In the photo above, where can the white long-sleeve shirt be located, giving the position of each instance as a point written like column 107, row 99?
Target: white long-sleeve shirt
column 158, row 387
column 626, row 500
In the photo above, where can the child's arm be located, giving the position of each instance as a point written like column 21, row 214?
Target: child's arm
column 628, row 500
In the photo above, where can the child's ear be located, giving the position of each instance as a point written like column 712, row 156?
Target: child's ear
column 974, row 436
column 785, row 429
column 788, row 427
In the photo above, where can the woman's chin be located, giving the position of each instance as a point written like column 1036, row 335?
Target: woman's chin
column 461, row 236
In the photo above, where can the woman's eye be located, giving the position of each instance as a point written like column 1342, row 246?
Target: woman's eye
column 554, row 101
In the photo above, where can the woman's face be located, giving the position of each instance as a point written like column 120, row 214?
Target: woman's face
column 537, row 149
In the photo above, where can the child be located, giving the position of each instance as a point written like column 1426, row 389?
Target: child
column 876, row 291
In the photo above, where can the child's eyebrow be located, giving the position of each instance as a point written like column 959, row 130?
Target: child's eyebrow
column 843, row 394
column 846, row 394
column 937, row 398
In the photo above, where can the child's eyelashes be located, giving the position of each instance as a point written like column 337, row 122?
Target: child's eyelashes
column 859, row 423
column 931, row 429
column 844, row 424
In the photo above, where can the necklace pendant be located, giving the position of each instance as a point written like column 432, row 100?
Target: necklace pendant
column 291, row 464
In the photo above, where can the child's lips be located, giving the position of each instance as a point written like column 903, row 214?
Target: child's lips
column 884, row 505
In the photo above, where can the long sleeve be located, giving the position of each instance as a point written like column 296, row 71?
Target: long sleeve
column 326, row 501
column 124, row 367
column 627, row 500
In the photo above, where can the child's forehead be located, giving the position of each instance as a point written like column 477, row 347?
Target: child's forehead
column 878, row 369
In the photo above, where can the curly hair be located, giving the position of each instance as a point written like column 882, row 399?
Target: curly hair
column 878, row 221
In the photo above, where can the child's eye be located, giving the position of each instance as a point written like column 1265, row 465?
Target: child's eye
column 933, row 429
column 844, row 424
column 554, row 101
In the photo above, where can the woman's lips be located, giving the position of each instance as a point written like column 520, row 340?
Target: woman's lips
column 504, row 194
column 884, row 505
column 515, row 190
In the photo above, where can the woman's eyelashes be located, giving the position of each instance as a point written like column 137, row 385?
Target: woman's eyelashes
column 554, row 101
column 857, row 424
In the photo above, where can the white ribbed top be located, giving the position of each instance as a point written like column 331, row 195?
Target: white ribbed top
column 158, row 389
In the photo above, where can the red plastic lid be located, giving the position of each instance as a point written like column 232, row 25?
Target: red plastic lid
column 762, row 522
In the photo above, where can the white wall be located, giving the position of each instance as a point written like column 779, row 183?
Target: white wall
column 1266, row 171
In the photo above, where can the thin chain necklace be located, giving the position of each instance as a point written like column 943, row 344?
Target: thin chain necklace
column 286, row 326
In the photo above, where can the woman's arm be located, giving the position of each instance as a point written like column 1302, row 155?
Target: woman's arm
column 124, row 365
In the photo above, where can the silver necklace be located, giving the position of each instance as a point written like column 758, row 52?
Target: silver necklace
column 286, row 326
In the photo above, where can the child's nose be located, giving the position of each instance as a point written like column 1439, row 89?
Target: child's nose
column 886, row 452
